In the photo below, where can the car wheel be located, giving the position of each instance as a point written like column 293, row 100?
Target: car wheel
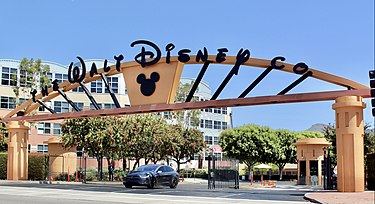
column 151, row 183
column 128, row 186
column 173, row 183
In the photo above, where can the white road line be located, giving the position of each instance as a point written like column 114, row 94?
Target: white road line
column 121, row 197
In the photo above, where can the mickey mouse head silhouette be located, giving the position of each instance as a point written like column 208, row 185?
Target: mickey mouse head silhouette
column 148, row 85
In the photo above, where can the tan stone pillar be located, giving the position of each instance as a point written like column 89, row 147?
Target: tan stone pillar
column 349, row 143
column 18, row 133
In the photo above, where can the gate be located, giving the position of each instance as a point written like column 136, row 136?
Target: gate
column 223, row 173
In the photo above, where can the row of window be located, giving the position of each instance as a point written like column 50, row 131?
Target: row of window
column 9, row 102
column 211, row 140
column 40, row 148
column 216, row 110
column 98, row 86
column 49, row 128
column 217, row 125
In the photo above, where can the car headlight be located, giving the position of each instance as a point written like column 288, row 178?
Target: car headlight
column 144, row 176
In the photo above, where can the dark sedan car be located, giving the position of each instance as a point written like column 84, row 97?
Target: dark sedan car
column 151, row 176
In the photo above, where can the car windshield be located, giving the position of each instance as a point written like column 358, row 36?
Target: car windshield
column 146, row 168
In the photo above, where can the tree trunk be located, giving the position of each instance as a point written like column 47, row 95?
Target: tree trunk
column 250, row 167
column 178, row 165
column 109, row 168
column 135, row 164
column 123, row 163
column 281, row 173
column 99, row 166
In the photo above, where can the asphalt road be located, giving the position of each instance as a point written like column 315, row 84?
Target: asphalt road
column 185, row 193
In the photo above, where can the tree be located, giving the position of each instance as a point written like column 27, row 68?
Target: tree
column 189, row 118
column 249, row 144
column 184, row 143
column 33, row 75
column 98, row 136
column 285, row 151
column 3, row 137
column 329, row 133
column 143, row 137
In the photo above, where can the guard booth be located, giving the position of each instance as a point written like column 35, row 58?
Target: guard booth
column 310, row 154
column 61, row 160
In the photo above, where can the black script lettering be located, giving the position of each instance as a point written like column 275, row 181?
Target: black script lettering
column 55, row 85
column 145, row 53
column 45, row 91
column 93, row 70
column 118, row 61
column 76, row 73
column 33, row 93
column 183, row 56
column 201, row 56
column 106, row 68
column 220, row 57
column 242, row 57
column 300, row 68
column 273, row 62
column 169, row 48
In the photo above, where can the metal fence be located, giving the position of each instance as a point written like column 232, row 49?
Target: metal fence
column 223, row 173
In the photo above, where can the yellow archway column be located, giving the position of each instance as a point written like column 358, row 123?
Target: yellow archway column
column 18, row 133
column 349, row 143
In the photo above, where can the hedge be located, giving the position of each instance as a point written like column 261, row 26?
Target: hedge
column 371, row 171
column 37, row 167
column 3, row 165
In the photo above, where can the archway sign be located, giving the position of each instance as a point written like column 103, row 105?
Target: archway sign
column 152, row 80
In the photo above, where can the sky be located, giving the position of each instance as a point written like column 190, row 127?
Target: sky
column 334, row 36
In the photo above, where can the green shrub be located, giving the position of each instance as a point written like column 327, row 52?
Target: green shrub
column 370, row 171
column 37, row 168
column 194, row 173
column 3, row 165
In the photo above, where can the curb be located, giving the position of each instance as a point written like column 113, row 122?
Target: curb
column 311, row 199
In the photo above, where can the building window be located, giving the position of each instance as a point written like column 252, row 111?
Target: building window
column 216, row 140
column 209, row 110
column 97, row 86
column 201, row 124
column 56, row 129
column 217, row 125
column 78, row 89
column 8, row 76
column 79, row 105
column 60, row 106
column 224, row 111
column 109, row 105
column 207, row 123
column 44, row 128
column 43, row 149
column 79, row 151
column 224, row 125
column 167, row 115
column 61, row 77
column 92, row 107
column 8, row 102
column 208, row 140
column 113, row 82
column 217, row 110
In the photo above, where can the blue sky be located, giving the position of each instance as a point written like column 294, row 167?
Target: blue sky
column 333, row 36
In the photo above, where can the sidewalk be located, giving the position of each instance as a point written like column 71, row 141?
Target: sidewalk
column 367, row 197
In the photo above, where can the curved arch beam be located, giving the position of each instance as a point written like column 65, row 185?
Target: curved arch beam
column 28, row 106
column 251, row 101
